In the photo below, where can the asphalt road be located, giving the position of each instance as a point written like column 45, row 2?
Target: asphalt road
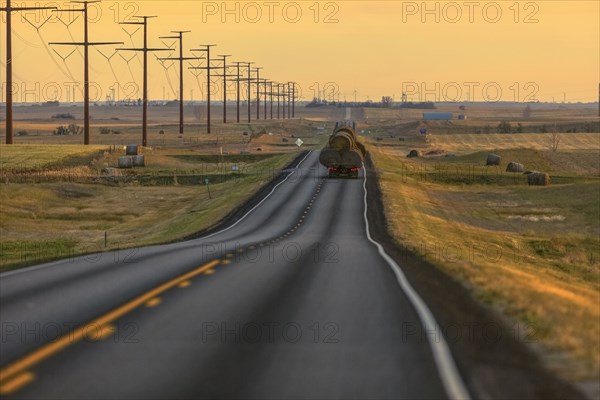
column 292, row 301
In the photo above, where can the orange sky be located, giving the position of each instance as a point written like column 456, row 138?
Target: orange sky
column 481, row 50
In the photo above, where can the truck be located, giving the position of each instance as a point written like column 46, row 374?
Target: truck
column 344, row 154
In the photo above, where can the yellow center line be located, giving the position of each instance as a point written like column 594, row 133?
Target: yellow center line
column 81, row 333
column 153, row 302
column 15, row 384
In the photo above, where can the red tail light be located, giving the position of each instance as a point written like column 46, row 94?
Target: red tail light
column 333, row 169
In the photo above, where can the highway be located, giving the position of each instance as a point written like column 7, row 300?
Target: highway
column 292, row 300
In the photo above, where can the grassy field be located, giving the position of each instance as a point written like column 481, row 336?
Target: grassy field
column 56, row 202
column 531, row 252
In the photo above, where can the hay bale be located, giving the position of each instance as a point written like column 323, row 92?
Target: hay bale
column 414, row 154
column 538, row 179
column 125, row 162
column 493, row 159
column 132, row 150
column 139, row 161
column 514, row 167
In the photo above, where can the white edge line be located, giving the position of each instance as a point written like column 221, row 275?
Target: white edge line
column 451, row 379
column 256, row 206
column 52, row 263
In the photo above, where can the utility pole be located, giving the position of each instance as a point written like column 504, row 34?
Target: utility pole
column 293, row 99
column 289, row 99
column 86, row 73
column 145, row 51
column 249, row 87
column 9, row 65
column 283, row 96
column 265, row 93
column 271, row 94
column 278, row 85
column 208, row 68
column 257, row 69
column 237, row 88
column 225, row 85
column 181, row 58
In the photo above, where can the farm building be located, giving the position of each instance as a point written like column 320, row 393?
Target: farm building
column 437, row 116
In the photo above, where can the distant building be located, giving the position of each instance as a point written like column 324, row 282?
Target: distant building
column 438, row 116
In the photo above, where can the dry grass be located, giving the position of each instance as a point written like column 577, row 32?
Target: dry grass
column 544, row 272
column 55, row 218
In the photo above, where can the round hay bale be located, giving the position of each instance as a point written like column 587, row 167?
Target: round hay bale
column 514, row 167
column 330, row 157
column 139, row 161
column 132, row 150
column 493, row 159
column 285, row 140
column 414, row 154
column 125, row 162
column 351, row 157
column 538, row 179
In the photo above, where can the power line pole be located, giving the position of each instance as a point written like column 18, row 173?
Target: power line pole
column 9, row 65
column 289, row 99
column 225, row 86
column 271, row 94
column 144, row 50
column 257, row 69
column 237, row 88
column 265, row 93
column 208, row 68
column 181, row 58
column 249, row 87
column 278, row 85
column 293, row 99
column 283, row 96
column 86, row 64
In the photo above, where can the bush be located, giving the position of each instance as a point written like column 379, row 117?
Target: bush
column 63, row 116
column 504, row 127
column 22, row 133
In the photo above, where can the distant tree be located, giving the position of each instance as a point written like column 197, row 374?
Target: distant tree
column 519, row 128
column 61, row 130
column 527, row 112
column 504, row 127
column 553, row 141
column 386, row 101
column 75, row 129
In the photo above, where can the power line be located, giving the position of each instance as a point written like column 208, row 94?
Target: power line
column 181, row 58
column 145, row 50
column 208, row 68
column 86, row 64
column 9, row 65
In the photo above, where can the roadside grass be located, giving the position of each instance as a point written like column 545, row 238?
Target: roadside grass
column 531, row 252
column 49, row 220
column 26, row 157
